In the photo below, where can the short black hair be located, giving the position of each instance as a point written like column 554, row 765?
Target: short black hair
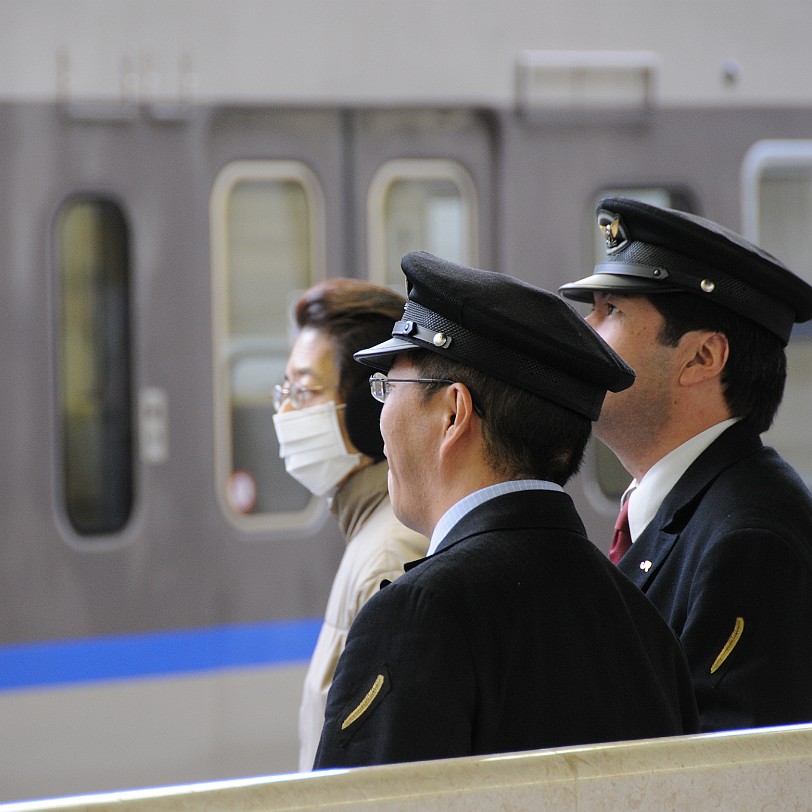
column 756, row 370
column 526, row 436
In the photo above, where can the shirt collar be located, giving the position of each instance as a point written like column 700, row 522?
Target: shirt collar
column 475, row 499
column 646, row 496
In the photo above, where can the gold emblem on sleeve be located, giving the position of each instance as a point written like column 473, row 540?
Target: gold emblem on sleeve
column 365, row 702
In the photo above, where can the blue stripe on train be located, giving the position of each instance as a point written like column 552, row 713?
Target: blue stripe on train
column 153, row 654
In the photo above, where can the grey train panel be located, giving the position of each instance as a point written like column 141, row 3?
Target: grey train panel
column 179, row 563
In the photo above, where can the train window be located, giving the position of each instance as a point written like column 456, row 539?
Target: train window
column 267, row 231
column 777, row 215
column 610, row 477
column 94, row 364
column 777, row 201
column 414, row 205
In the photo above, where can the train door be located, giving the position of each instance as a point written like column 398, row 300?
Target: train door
column 98, row 256
column 297, row 196
column 272, row 181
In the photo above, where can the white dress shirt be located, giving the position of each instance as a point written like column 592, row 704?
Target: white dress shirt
column 646, row 496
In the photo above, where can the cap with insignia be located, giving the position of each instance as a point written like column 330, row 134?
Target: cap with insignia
column 656, row 250
column 506, row 328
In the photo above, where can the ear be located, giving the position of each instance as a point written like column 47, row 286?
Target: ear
column 460, row 420
column 707, row 354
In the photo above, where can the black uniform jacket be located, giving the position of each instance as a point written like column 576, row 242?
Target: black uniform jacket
column 516, row 634
column 728, row 562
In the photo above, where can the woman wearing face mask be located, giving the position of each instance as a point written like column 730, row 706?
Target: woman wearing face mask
column 327, row 426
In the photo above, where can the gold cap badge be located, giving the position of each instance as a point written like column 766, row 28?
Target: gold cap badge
column 614, row 233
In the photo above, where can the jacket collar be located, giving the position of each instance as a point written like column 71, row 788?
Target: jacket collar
column 654, row 544
column 521, row 510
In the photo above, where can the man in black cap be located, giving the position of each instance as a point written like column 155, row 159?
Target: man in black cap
column 721, row 525
column 515, row 632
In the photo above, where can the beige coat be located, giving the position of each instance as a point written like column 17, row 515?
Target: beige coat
column 378, row 546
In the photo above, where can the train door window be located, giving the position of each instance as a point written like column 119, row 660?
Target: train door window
column 777, row 215
column 426, row 205
column 609, row 478
column 267, row 231
column 94, row 364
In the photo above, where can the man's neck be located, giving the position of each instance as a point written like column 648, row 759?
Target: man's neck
column 638, row 461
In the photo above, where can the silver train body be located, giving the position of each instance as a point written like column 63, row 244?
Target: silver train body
column 162, row 578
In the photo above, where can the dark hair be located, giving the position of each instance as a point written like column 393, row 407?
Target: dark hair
column 355, row 315
column 756, row 370
column 525, row 436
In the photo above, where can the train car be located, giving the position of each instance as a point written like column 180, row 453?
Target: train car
column 171, row 175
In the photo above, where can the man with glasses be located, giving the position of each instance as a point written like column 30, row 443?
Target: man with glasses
column 515, row 632
column 329, row 436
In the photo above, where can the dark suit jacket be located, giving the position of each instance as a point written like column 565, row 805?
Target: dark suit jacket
column 728, row 561
column 516, row 634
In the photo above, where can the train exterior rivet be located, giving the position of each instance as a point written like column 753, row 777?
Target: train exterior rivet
column 707, row 286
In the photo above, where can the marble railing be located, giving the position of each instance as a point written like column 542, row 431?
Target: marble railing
column 767, row 769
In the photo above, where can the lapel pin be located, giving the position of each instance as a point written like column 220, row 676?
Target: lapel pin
column 645, row 565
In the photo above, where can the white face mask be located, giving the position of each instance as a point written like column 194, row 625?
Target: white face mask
column 314, row 451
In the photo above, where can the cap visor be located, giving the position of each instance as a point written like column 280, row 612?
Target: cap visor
column 581, row 291
column 381, row 356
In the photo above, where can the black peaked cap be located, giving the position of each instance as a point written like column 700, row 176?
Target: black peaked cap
column 656, row 250
column 506, row 328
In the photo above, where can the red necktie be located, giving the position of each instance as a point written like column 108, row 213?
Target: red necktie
column 622, row 538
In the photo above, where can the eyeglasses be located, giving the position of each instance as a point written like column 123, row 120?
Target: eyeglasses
column 380, row 384
column 299, row 396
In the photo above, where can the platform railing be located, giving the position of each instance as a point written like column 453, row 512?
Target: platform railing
column 766, row 769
